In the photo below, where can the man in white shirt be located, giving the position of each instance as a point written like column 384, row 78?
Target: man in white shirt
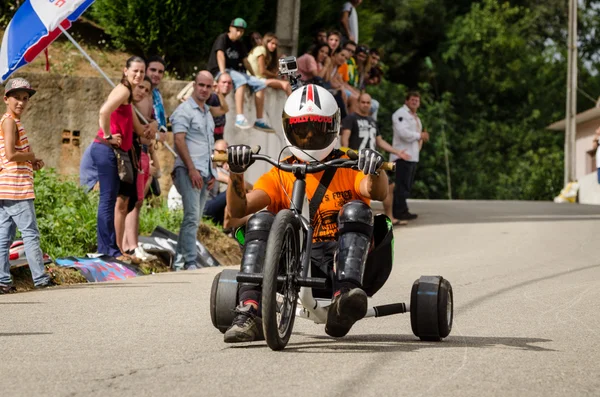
column 350, row 20
column 408, row 136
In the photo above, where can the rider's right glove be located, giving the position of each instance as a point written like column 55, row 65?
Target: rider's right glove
column 369, row 161
column 239, row 158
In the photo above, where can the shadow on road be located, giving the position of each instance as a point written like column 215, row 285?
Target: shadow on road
column 100, row 285
column 481, row 299
column 21, row 303
column 382, row 343
column 23, row 333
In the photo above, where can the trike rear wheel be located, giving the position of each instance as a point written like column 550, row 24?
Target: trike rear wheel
column 282, row 260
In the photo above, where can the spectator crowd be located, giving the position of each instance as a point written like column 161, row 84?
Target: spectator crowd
column 122, row 158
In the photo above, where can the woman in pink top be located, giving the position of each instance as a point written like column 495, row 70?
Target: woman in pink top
column 312, row 67
column 117, row 125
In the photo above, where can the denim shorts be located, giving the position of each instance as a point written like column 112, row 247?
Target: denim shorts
column 240, row 79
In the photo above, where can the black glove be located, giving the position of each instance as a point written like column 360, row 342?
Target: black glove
column 369, row 161
column 239, row 158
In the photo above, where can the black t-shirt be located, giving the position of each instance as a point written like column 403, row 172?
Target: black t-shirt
column 213, row 101
column 235, row 52
column 363, row 131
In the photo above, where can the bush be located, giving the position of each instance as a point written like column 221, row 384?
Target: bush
column 67, row 216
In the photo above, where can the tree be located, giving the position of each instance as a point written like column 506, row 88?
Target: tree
column 182, row 31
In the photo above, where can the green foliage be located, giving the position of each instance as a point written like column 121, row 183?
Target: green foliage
column 158, row 214
column 66, row 216
column 7, row 10
column 181, row 31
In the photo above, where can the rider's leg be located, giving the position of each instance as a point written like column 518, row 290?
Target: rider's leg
column 247, row 325
column 321, row 261
column 355, row 229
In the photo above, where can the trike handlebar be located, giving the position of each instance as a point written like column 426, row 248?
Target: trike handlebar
column 308, row 168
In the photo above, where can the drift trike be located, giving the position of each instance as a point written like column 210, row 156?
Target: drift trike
column 288, row 290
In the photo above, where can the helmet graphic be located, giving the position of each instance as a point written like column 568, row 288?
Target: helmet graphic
column 311, row 122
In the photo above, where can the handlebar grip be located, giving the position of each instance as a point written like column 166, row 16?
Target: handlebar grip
column 352, row 154
column 388, row 166
column 222, row 157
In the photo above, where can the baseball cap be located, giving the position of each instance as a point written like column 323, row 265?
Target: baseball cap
column 18, row 84
column 239, row 23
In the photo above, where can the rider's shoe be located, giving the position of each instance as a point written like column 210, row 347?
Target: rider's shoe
column 348, row 307
column 246, row 326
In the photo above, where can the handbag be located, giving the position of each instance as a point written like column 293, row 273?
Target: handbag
column 124, row 165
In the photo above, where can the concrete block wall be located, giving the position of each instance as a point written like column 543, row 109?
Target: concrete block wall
column 62, row 120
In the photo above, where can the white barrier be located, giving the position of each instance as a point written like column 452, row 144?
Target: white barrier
column 589, row 189
column 270, row 143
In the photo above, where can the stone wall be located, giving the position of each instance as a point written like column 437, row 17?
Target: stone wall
column 62, row 121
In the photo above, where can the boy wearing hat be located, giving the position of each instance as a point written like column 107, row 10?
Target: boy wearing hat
column 228, row 55
column 17, row 163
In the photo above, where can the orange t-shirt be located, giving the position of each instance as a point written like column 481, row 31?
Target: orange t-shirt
column 16, row 178
column 344, row 187
column 344, row 72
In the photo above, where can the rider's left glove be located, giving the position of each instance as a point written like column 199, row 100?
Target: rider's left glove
column 369, row 161
column 239, row 158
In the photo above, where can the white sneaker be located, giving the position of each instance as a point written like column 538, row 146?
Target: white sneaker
column 143, row 255
column 243, row 124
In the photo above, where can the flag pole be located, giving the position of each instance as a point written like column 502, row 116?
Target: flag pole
column 112, row 84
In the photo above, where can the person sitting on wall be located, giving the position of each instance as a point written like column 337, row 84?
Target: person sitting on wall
column 229, row 55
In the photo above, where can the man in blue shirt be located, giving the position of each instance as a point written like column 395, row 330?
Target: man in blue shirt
column 156, row 71
column 193, row 127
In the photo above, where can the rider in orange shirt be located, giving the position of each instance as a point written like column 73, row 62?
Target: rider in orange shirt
column 342, row 224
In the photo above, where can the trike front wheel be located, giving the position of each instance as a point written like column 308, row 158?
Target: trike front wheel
column 279, row 297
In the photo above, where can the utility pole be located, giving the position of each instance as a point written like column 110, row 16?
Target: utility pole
column 287, row 26
column 571, row 125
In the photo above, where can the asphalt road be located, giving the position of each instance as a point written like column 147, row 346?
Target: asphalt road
column 526, row 278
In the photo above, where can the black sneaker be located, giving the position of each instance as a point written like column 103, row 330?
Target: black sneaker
column 246, row 326
column 7, row 289
column 346, row 309
column 47, row 284
column 407, row 216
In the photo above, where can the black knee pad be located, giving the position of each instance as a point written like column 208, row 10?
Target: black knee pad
column 257, row 234
column 355, row 228
column 355, row 216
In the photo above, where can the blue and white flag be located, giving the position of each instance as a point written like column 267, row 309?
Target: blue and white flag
column 33, row 28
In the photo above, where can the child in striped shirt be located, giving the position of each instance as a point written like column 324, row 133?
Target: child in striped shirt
column 17, row 163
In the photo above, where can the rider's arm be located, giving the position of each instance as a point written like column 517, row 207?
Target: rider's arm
column 374, row 186
column 240, row 204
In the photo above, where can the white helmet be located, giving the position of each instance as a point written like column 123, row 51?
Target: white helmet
column 311, row 122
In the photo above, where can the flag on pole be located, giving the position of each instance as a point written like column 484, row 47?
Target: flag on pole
column 33, row 28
